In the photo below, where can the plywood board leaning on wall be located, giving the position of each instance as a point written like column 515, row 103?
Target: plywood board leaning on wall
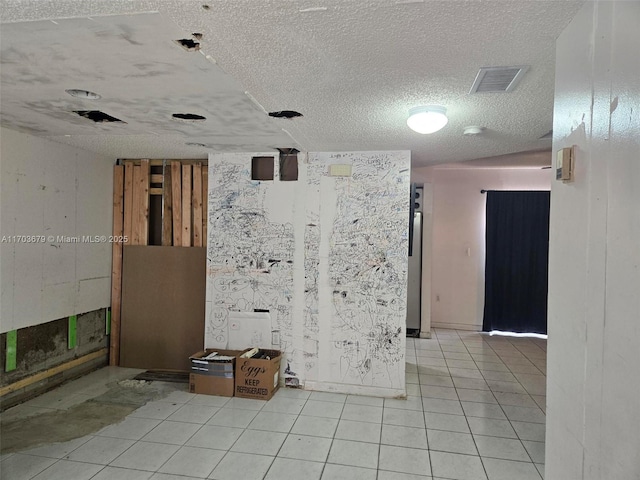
column 163, row 301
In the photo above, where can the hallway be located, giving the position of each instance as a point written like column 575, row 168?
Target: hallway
column 474, row 410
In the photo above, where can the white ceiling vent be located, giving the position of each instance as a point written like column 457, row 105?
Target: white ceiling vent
column 498, row 79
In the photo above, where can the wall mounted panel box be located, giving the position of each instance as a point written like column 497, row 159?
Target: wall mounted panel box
column 212, row 372
column 565, row 164
column 258, row 376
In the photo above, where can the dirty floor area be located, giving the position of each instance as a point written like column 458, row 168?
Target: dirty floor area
column 108, row 396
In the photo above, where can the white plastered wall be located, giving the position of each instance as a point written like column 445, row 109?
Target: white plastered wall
column 326, row 255
column 593, row 383
column 49, row 190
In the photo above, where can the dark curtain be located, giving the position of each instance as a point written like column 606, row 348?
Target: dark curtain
column 515, row 298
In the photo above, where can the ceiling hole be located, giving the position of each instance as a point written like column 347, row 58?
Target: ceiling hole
column 206, row 7
column 97, row 116
column 285, row 114
column 188, row 44
column 195, row 144
column 197, row 36
column 192, row 117
column 74, row 92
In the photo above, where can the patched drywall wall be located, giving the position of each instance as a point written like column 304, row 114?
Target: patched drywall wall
column 51, row 196
column 326, row 255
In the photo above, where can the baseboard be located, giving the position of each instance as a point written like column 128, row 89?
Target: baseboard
column 457, row 326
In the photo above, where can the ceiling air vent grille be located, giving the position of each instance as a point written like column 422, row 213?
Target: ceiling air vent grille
column 498, row 79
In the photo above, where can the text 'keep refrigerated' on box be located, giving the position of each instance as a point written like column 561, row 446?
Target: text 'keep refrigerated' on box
column 258, row 376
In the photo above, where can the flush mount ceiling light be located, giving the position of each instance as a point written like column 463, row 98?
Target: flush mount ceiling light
column 74, row 92
column 427, row 119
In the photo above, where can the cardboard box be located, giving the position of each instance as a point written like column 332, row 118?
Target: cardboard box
column 214, row 376
column 258, row 378
column 215, row 366
column 211, row 385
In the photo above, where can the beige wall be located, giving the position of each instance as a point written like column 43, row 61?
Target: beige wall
column 593, row 382
column 456, row 273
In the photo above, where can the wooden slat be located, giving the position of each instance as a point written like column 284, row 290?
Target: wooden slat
column 176, row 194
column 205, row 204
column 138, row 162
column 156, row 191
column 190, row 162
column 167, row 219
column 137, row 201
column 128, row 202
column 197, row 205
column 159, row 163
column 116, row 264
column 40, row 376
column 144, row 206
column 157, row 178
column 186, row 205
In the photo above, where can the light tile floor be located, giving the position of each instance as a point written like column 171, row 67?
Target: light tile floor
column 475, row 410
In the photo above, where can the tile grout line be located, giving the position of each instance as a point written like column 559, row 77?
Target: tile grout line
column 511, row 425
column 507, row 348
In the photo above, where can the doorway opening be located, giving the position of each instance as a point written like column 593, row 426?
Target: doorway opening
column 516, row 270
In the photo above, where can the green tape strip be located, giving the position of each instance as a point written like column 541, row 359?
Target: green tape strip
column 73, row 340
column 12, row 341
column 108, row 330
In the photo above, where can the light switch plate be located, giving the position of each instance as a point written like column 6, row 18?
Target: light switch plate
column 565, row 164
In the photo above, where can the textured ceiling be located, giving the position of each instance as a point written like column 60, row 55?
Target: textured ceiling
column 352, row 68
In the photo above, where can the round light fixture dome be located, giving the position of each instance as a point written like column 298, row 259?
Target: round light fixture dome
column 427, row 119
